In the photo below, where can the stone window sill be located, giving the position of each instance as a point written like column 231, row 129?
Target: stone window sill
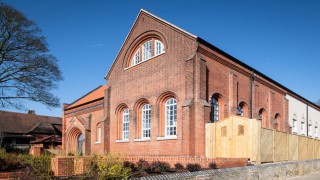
column 142, row 140
column 167, row 138
column 122, row 141
column 98, row 142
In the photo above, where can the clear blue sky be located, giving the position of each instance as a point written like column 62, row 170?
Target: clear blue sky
column 279, row 38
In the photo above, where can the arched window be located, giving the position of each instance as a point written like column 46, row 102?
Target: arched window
column 125, row 124
column 159, row 47
column 294, row 125
column 303, row 126
column 146, row 119
column 309, row 129
column 316, row 131
column 243, row 109
column 277, row 121
column 147, row 50
column 263, row 117
column 171, row 117
column 80, row 143
column 136, row 58
column 214, row 109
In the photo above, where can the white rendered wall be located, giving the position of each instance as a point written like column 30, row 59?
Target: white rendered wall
column 298, row 110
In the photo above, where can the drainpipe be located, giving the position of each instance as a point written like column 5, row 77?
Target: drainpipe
column 251, row 91
column 307, row 119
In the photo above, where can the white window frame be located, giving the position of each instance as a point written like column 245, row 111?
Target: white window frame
column 310, row 130
column 146, row 121
column 136, row 58
column 215, row 108
column 316, row 131
column 294, row 126
column 171, row 118
column 158, row 48
column 125, row 124
column 147, row 50
column 302, row 127
column 99, row 133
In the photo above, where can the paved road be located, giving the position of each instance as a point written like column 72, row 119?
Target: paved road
column 311, row 176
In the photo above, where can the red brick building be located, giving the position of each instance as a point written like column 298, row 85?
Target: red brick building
column 163, row 86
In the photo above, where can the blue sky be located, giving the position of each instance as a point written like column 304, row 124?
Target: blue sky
column 279, row 38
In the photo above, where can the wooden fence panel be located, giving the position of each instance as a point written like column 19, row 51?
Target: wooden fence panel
column 303, row 150
column 266, row 145
column 310, row 148
column 210, row 140
column 280, row 147
column 240, row 136
column 293, row 147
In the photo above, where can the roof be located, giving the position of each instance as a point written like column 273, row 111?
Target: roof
column 200, row 40
column 93, row 95
column 45, row 128
column 12, row 122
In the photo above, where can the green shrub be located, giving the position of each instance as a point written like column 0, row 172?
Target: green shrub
column 178, row 166
column 111, row 167
column 130, row 165
column 158, row 166
column 143, row 166
column 213, row 165
column 70, row 154
column 193, row 167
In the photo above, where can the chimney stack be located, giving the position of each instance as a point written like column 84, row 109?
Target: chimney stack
column 31, row 112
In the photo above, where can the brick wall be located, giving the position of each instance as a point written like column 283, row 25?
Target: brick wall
column 66, row 166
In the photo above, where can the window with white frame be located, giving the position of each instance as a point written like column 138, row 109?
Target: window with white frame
column 125, row 124
column 302, row 128
column 98, row 140
column 171, row 117
column 214, row 109
column 159, row 48
column 316, row 131
column 146, row 119
column 147, row 50
column 136, row 58
column 294, row 126
column 310, row 130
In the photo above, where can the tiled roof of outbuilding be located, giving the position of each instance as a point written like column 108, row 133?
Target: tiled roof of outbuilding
column 12, row 122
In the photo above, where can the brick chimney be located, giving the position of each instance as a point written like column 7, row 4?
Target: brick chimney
column 31, row 112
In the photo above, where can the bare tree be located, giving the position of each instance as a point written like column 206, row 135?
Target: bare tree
column 27, row 70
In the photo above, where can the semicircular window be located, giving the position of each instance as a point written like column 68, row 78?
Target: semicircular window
column 147, row 50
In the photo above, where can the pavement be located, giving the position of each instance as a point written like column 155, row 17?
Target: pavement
column 311, row 176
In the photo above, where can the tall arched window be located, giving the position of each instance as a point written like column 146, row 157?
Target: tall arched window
column 171, row 117
column 159, row 47
column 125, row 124
column 80, row 143
column 214, row 109
column 147, row 50
column 243, row 109
column 136, row 58
column 294, row 125
column 146, row 119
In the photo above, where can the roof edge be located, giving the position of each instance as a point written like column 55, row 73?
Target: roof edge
column 154, row 16
column 82, row 97
column 289, row 91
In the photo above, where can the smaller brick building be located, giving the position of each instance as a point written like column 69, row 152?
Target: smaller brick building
column 83, row 123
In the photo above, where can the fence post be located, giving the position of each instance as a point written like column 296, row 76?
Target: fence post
column 258, row 146
column 273, row 144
